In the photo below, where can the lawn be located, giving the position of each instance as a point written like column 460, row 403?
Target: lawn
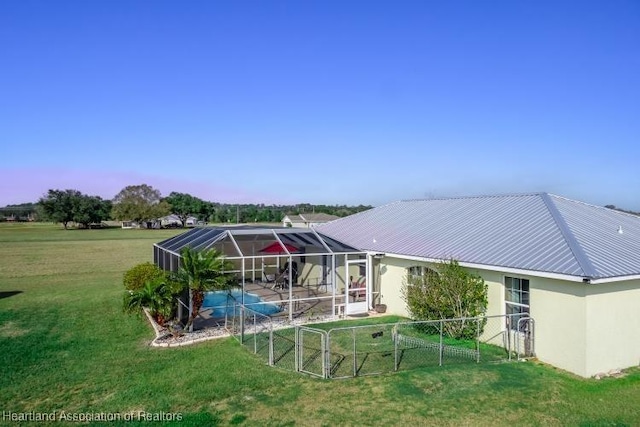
column 66, row 345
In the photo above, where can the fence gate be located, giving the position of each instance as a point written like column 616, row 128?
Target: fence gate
column 525, row 346
column 311, row 351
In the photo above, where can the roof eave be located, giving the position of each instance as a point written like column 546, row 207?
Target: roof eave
column 615, row 279
column 501, row 269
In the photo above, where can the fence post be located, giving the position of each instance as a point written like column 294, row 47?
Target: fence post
column 394, row 334
column 478, row 340
column 226, row 318
column 508, row 335
column 355, row 360
column 328, row 355
column 255, row 335
column 323, row 348
column 271, row 345
column 242, row 325
column 296, row 347
column 441, row 341
column 532, row 336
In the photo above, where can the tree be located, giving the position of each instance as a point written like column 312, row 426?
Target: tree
column 184, row 205
column 139, row 203
column 206, row 211
column 89, row 210
column 58, row 205
column 202, row 271
column 448, row 293
column 222, row 214
column 66, row 206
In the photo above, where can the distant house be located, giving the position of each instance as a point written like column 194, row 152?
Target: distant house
column 572, row 267
column 307, row 220
column 174, row 221
column 168, row 221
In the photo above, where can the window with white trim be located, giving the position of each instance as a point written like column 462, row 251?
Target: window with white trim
column 516, row 298
column 417, row 273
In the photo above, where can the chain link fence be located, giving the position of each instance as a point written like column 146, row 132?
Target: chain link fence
column 251, row 328
column 360, row 350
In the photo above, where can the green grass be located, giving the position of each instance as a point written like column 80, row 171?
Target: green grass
column 65, row 345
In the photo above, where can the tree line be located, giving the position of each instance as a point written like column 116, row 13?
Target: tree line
column 622, row 210
column 144, row 205
column 19, row 212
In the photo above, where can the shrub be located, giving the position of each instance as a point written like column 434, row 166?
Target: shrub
column 451, row 293
column 157, row 296
column 135, row 278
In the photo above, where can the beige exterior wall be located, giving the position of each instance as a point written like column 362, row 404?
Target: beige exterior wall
column 392, row 273
column 584, row 329
column 613, row 326
column 310, row 273
column 558, row 309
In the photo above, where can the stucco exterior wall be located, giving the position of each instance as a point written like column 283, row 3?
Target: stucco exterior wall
column 311, row 272
column 558, row 309
column 613, row 326
column 392, row 273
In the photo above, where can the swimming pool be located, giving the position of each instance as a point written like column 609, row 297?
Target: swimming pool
column 220, row 304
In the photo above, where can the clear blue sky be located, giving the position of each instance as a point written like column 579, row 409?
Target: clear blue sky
column 321, row 101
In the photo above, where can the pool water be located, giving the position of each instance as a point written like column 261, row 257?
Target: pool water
column 221, row 304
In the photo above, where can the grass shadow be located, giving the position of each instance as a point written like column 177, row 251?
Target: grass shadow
column 8, row 294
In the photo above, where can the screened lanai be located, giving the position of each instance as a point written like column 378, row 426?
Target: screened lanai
column 292, row 272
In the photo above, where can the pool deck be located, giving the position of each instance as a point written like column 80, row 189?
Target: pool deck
column 307, row 302
column 305, row 298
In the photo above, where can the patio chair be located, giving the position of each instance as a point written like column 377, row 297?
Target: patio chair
column 294, row 271
column 358, row 289
column 268, row 278
column 281, row 281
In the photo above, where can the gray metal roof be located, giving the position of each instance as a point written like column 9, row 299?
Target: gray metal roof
column 307, row 241
column 312, row 217
column 537, row 232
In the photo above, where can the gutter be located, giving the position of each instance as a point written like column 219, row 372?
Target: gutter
column 518, row 271
column 614, row 279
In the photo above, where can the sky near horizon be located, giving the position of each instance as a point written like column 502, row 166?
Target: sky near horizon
column 327, row 102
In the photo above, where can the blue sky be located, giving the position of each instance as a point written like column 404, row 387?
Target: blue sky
column 334, row 102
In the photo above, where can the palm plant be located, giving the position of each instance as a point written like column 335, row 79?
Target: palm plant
column 202, row 271
column 155, row 295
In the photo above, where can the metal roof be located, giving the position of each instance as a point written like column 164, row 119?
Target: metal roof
column 312, row 217
column 537, row 232
column 254, row 239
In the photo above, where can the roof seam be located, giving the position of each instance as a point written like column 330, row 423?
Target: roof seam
column 478, row 196
column 581, row 257
column 616, row 211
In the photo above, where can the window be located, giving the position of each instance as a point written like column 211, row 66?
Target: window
column 417, row 273
column 516, row 298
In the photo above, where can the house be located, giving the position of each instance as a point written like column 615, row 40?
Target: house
column 169, row 221
column 173, row 220
column 307, row 219
column 571, row 266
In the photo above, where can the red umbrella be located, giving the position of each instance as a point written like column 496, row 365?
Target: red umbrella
column 277, row 248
